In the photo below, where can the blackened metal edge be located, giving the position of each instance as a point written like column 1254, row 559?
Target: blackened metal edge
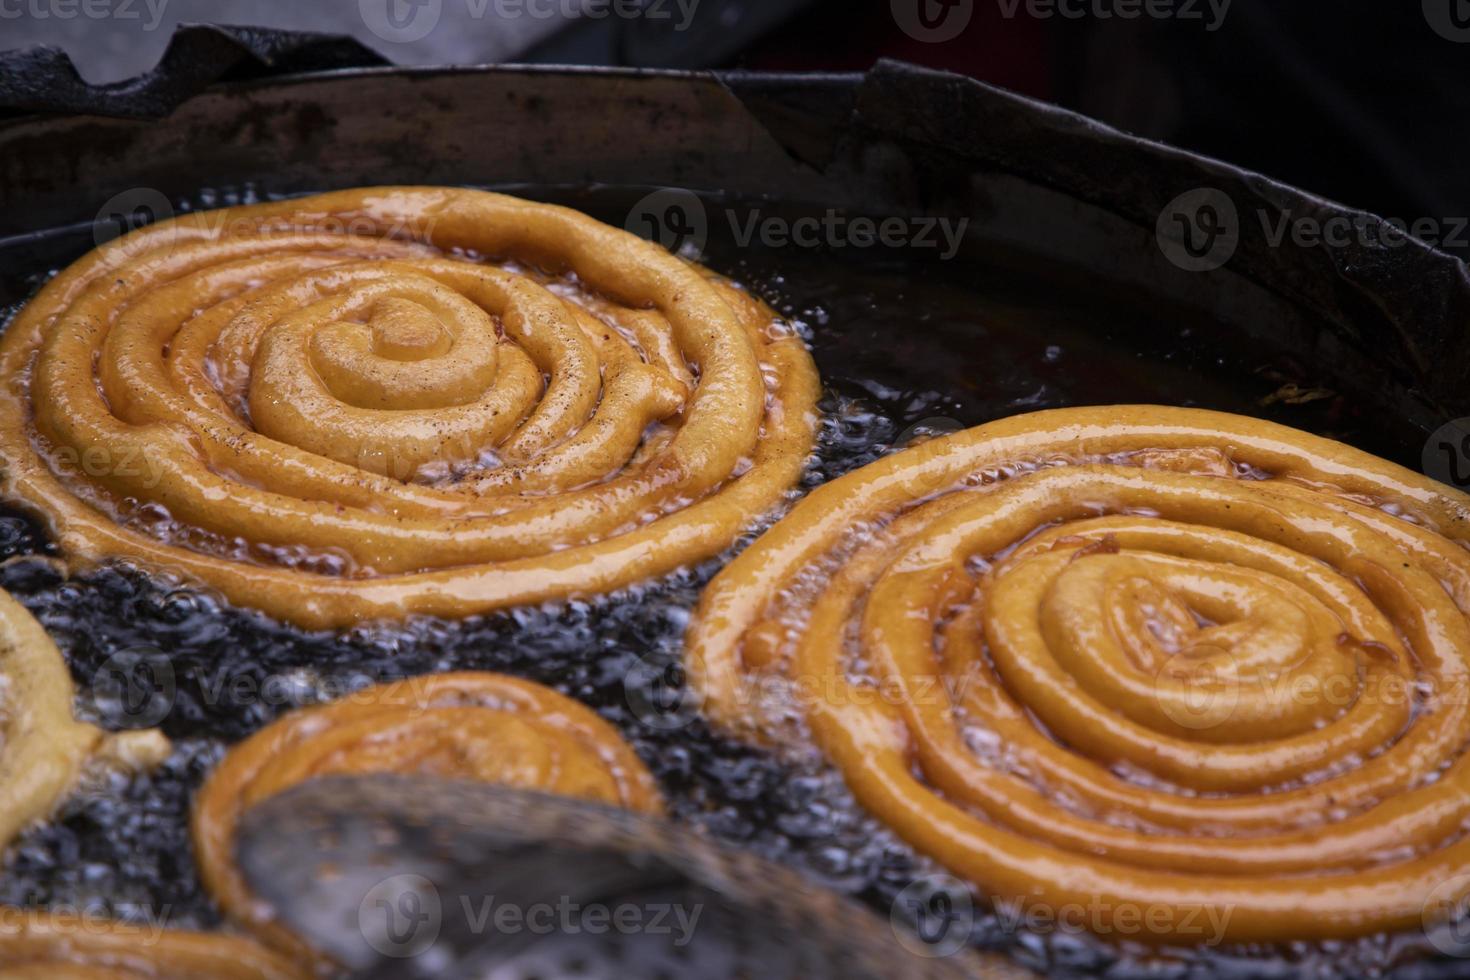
column 1402, row 305
column 1037, row 179
column 480, row 127
column 806, row 112
column 45, row 80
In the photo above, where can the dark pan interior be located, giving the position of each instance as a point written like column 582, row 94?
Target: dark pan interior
column 1023, row 318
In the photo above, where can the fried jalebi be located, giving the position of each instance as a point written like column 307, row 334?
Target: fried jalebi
column 470, row 726
column 1199, row 675
column 43, row 748
column 387, row 401
column 54, row 946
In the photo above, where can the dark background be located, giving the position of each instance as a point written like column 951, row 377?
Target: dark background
column 1362, row 101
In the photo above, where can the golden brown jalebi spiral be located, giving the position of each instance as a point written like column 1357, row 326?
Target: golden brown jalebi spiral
column 1198, row 670
column 388, row 401
column 37, row 945
column 43, row 748
column 475, row 726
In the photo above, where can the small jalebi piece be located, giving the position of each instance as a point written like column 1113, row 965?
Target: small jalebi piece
column 470, row 726
column 43, row 748
column 388, row 401
column 38, row 945
column 1202, row 671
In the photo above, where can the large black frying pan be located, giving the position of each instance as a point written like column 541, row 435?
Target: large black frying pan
column 1080, row 279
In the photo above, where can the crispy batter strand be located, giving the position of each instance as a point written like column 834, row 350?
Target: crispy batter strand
column 43, row 748
column 387, row 401
column 53, row 946
column 1138, row 660
column 476, row 726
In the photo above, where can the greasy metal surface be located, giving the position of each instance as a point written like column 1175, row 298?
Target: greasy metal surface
column 324, row 854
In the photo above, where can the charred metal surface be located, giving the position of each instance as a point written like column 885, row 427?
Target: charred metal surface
column 332, row 857
column 485, row 126
column 44, row 79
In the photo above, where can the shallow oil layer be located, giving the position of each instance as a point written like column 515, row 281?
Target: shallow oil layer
column 907, row 344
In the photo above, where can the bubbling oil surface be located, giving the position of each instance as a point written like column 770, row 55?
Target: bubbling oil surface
column 907, row 345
